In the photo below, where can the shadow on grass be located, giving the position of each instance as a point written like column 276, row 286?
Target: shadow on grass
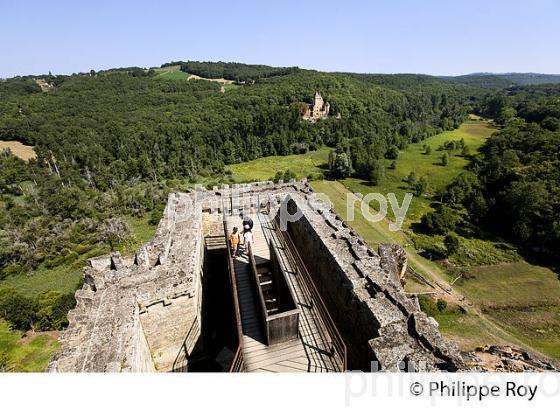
column 419, row 229
column 432, row 255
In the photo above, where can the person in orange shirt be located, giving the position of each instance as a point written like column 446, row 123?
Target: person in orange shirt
column 234, row 240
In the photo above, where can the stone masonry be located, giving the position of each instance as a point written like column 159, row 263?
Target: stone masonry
column 133, row 313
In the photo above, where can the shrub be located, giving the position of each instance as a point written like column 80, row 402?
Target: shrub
column 445, row 159
column 439, row 222
column 376, row 173
column 284, row 176
column 17, row 309
column 392, row 152
column 420, row 186
column 288, row 175
column 114, row 231
column 411, row 178
column 52, row 307
column 428, row 305
column 156, row 215
column 451, row 243
column 441, row 305
column 277, row 177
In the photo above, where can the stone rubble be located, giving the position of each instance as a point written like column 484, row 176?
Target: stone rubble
column 508, row 359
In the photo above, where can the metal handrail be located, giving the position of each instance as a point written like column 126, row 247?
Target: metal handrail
column 238, row 362
column 338, row 343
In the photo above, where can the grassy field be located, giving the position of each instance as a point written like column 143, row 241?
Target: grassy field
column 262, row 169
column 173, row 75
column 413, row 159
column 522, row 298
column 25, row 352
column 20, row 150
column 67, row 278
column 505, row 285
column 229, row 87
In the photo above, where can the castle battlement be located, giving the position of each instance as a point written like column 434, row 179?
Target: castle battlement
column 148, row 312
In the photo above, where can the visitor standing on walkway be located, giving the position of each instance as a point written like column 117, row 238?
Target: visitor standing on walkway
column 235, row 242
column 247, row 224
column 247, row 240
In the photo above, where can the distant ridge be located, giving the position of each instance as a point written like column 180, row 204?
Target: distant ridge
column 503, row 80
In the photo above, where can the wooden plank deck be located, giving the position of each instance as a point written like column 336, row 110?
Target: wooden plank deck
column 312, row 330
column 307, row 353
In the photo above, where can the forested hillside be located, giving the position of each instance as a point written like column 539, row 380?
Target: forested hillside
column 110, row 146
column 118, row 126
column 513, row 187
column 234, row 71
column 490, row 80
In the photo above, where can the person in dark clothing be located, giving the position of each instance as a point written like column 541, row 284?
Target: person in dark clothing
column 247, row 223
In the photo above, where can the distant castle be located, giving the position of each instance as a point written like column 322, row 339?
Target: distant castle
column 319, row 110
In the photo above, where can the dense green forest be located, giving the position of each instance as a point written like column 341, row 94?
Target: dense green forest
column 512, row 188
column 490, row 80
column 118, row 126
column 231, row 71
column 114, row 143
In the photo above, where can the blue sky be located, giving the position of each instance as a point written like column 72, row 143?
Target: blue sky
column 420, row 36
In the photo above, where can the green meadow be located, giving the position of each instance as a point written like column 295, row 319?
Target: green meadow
column 25, row 352
column 262, row 169
column 173, row 75
column 229, row 87
column 414, row 159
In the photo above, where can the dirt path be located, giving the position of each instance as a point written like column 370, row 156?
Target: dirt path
column 216, row 80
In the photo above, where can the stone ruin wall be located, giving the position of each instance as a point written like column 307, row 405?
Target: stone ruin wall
column 133, row 313
column 363, row 293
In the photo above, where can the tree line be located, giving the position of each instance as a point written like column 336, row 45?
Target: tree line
column 512, row 188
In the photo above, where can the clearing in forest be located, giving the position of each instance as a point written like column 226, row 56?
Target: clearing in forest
column 20, row 150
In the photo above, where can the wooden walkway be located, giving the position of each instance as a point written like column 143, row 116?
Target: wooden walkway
column 307, row 353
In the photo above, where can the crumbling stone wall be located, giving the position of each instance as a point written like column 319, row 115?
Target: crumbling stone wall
column 134, row 314
column 130, row 307
column 362, row 291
